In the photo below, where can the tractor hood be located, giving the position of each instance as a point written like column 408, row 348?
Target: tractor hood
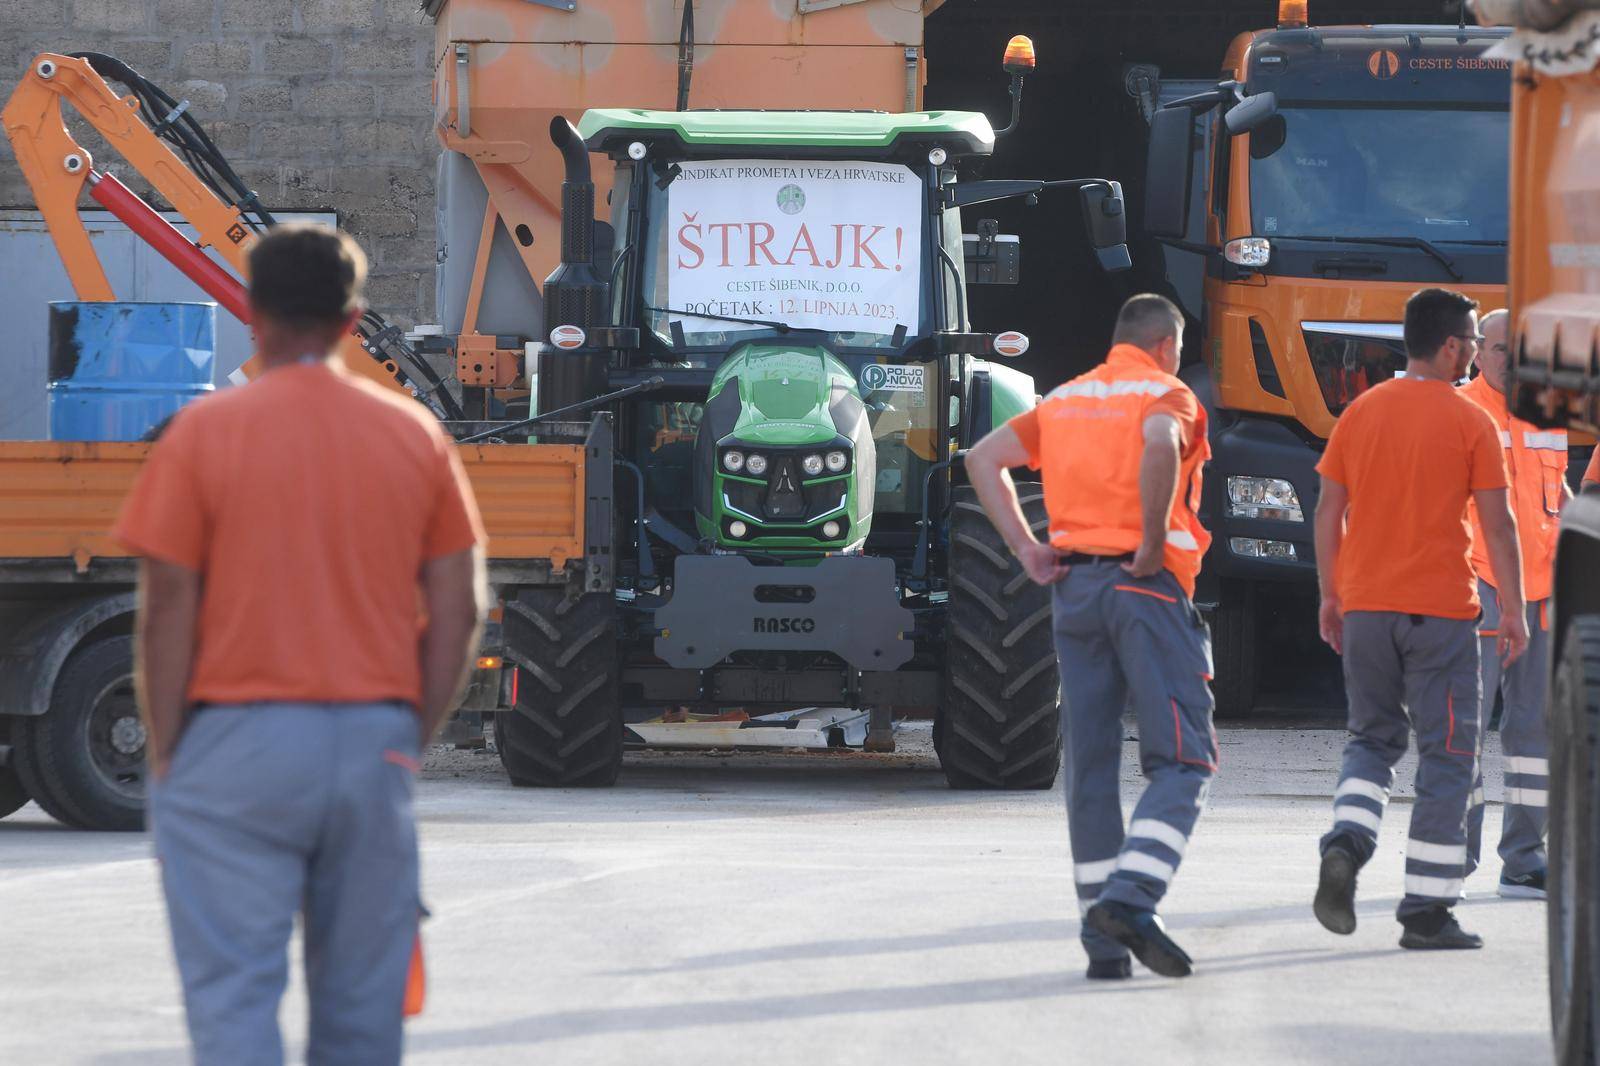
column 785, row 393
column 784, row 453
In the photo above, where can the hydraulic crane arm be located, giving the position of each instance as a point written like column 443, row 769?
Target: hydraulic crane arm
column 146, row 127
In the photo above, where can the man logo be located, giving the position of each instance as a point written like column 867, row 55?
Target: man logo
column 791, row 198
column 1383, row 64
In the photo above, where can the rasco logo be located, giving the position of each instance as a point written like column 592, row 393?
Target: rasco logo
column 791, row 198
column 785, row 625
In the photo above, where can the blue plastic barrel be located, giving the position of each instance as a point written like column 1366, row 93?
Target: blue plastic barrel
column 119, row 369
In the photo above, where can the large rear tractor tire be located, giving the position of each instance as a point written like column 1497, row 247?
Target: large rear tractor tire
column 1574, row 873
column 13, row 797
column 1234, row 645
column 566, row 728
column 999, row 723
column 84, row 759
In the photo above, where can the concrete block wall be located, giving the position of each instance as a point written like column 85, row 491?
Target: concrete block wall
column 319, row 105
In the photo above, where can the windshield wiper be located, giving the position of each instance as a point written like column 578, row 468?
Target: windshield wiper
column 1391, row 242
column 781, row 327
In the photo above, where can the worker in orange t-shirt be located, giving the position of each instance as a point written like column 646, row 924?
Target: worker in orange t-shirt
column 1121, row 450
column 1400, row 603
column 1591, row 476
column 310, row 589
column 1536, row 460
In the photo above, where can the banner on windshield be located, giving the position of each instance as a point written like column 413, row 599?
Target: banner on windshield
column 823, row 245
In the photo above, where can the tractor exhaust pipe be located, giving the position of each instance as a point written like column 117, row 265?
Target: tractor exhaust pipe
column 577, row 293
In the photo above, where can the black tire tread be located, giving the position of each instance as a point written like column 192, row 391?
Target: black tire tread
column 566, row 729
column 998, row 725
column 45, row 751
column 1235, row 640
column 1575, row 793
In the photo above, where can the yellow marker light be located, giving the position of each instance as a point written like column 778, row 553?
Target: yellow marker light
column 490, row 662
column 1293, row 14
column 1019, row 55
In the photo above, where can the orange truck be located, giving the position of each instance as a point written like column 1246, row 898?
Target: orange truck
column 1555, row 308
column 1329, row 174
column 70, row 736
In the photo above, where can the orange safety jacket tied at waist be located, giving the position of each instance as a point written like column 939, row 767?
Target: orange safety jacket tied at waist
column 1536, row 470
column 1087, row 437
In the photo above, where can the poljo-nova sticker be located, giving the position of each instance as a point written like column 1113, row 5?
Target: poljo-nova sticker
column 902, row 378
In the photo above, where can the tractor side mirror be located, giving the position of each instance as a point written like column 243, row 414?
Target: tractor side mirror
column 1169, row 173
column 1250, row 112
column 1105, row 219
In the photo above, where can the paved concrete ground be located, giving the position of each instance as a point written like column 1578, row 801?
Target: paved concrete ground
column 818, row 909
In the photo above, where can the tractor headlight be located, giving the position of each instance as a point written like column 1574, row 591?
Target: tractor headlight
column 756, row 463
column 837, row 461
column 733, row 462
column 737, row 529
column 812, row 464
column 831, row 530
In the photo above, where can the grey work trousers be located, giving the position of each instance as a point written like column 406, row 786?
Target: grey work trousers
column 1122, row 640
column 1403, row 673
column 1524, row 740
column 272, row 809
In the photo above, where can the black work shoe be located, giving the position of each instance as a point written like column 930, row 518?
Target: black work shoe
column 1142, row 933
column 1437, row 930
column 1526, row 886
column 1335, row 905
column 1110, row 969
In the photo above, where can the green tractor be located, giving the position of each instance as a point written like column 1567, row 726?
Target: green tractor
column 782, row 548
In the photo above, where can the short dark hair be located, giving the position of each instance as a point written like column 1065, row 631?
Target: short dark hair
column 306, row 275
column 1146, row 320
column 1433, row 316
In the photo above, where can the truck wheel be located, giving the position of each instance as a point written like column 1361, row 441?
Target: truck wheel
column 13, row 797
column 83, row 760
column 999, row 720
column 566, row 728
column 1574, row 873
column 1233, row 648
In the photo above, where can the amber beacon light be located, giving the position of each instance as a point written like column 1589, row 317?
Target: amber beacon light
column 1019, row 54
column 1293, row 14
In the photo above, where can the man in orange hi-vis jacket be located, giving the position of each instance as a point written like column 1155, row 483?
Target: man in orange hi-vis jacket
column 1536, row 462
column 1121, row 449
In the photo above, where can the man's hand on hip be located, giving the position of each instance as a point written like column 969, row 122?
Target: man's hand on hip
column 1147, row 561
column 1042, row 562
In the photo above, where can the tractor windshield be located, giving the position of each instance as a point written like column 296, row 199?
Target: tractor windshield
column 816, row 245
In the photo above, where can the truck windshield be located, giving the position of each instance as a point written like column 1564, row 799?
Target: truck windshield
column 1434, row 173
column 830, row 246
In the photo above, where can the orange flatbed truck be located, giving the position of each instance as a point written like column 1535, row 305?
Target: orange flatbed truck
column 67, row 605
column 1331, row 172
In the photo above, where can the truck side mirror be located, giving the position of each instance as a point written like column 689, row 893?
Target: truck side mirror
column 1250, row 112
column 1169, row 173
column 1105, row 219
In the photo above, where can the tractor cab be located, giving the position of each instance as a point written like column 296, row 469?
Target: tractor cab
column 799, row 279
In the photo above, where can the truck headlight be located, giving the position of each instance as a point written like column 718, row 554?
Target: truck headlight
column 756, row 463
column 733, row 462
column 1248, row 251
column 1263, row 497
column 812, row 465
column 837, row 461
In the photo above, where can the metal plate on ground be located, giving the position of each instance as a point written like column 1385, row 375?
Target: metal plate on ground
column 848, row 605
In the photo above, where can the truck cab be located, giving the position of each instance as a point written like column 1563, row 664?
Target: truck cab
column 1329, row 175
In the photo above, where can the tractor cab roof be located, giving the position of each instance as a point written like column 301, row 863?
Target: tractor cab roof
column 865, row 135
